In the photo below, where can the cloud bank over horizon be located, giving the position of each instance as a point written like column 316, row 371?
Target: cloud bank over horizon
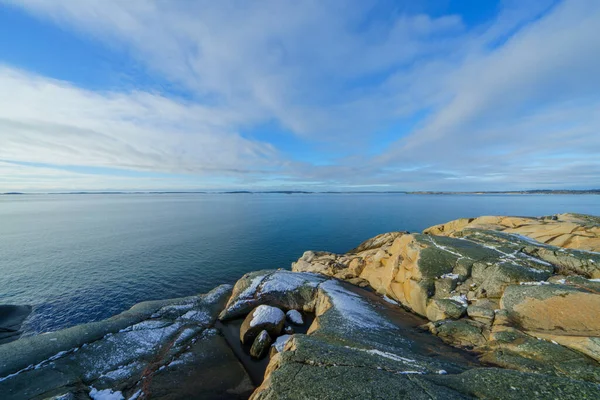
column 306, row 95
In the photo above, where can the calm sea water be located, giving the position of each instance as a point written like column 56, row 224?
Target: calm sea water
column 82, row 258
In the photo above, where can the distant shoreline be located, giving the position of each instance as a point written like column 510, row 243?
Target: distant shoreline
column 510, row 192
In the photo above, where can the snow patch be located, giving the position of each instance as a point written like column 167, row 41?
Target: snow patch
column 251, row 289
column 534, row 283
column 264, row 314
column 135, row 395
column 462, row 299
column 393, row 357
column 122, row 372
column 280, row 342
column 354, row 308
column 284, row 281
column 389, row 300
column 215, row 294
column 451, row 276
column 151, row 324
column 446, row 249
column 295, row 317
column 201, row 317
column 105, row 394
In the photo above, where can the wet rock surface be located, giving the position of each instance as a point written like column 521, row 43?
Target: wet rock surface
column 11, row 318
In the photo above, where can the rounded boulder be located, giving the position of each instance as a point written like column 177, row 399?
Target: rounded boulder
column 263, row 317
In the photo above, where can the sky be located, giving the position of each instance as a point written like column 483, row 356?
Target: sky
column 448, row 95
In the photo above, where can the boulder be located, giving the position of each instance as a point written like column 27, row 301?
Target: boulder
column 481, row 312
column 263, row 317
column 461, row 333
column 560, row 309
column 261, row 345
column 283, row 289
column 294, row 317
column 440, row 309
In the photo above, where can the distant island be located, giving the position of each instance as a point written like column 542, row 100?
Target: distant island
column 480, row 192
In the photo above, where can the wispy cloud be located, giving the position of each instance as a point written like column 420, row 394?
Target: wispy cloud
column 511, row 102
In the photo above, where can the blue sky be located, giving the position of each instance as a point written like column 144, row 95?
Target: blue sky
column 307, row 95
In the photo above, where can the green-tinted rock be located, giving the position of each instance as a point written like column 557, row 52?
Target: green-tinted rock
column 494, row 383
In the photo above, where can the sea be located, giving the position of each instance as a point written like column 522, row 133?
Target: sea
column 79, row 258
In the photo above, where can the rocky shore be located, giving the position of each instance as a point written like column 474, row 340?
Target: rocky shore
column 490, row 307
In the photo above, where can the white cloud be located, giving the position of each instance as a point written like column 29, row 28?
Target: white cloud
column 510, row 103
column 52, row 122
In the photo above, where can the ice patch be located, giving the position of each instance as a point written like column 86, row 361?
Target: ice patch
column 534, row 283
column 105, row 394
column 353, row 308
column 389, row 300
column 264, row 314
column 295, row 317
column 280, row 342
column 594, row 280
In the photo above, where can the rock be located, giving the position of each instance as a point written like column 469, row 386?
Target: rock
column 356, row 350
column 590, row 346
column 495, row 383
column 573, row 231
column 280, row 343
column 461, row 333
column 560, row 309
column 168, row 347
column 513, row 349
column 288, row 330
column 261, row 345
column 481, row 313
column 263, row 317
column 377, row 242
column 11, row 318
column 439, row 309
column 294, row 317
column 280, row 288
column 492, row 279
column 479, row 260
